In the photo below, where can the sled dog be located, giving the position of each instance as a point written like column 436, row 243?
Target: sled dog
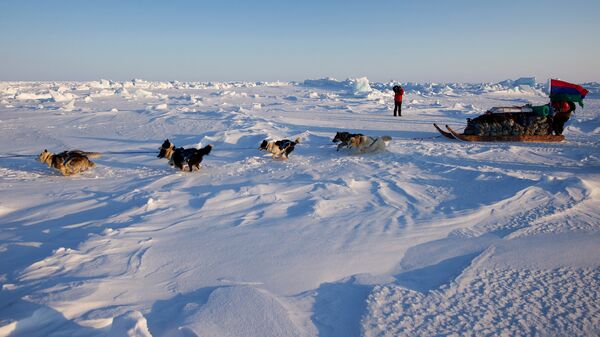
column 166, row 150
column 69, row 162
column 343, row 138
column 191, row 157
column 178, row 156
column 280, row 148
column 364, row 144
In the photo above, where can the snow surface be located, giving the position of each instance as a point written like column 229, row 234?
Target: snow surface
column 431, row 238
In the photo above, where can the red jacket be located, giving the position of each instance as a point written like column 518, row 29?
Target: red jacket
column 398, row 96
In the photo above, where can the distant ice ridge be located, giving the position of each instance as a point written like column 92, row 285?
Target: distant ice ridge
column 52, row 87
column 356, row 87
column 530, row 81
column 523, row 85
column 136, row 89
column 327, row 83
column 46, row 95
column 361, row 87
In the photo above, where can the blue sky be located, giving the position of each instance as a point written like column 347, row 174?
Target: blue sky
column 430, row 40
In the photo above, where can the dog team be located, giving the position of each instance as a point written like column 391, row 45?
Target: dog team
column 77, row 161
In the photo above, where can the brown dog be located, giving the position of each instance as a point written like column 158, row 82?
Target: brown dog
column 69, row 162
column 343, row 138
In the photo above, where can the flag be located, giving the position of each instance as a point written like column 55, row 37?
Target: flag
column 565, row 91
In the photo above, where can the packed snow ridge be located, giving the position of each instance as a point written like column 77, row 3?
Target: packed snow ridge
column 430, row 237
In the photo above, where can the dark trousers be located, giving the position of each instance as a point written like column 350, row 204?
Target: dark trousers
column 558, row 122
column 398, row 108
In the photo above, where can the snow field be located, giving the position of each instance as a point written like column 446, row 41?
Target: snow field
column 431, row 237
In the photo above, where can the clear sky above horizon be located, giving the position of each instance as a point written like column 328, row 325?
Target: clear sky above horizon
column 431, row 40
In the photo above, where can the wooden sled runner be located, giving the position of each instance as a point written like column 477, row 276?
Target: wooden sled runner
column 474, row 138
column 444, row 133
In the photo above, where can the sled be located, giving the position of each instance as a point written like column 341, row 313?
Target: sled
column 444, row 133
column 524, row 138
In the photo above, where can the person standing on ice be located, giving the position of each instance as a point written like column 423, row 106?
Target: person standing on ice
column 398, row 93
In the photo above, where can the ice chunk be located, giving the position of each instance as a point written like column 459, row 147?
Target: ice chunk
column 361, row 87
column 69, row 106
column 141, row 93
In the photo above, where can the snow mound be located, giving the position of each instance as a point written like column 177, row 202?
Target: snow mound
column 42, row 322
column 130, row 324
column 240, row 311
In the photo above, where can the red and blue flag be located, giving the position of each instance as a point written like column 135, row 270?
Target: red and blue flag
column 565, row 91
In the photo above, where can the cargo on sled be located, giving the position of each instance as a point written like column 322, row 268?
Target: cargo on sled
column 526, row 123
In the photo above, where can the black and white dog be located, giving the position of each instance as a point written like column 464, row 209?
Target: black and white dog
column 280, row 148
column 178, row 156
